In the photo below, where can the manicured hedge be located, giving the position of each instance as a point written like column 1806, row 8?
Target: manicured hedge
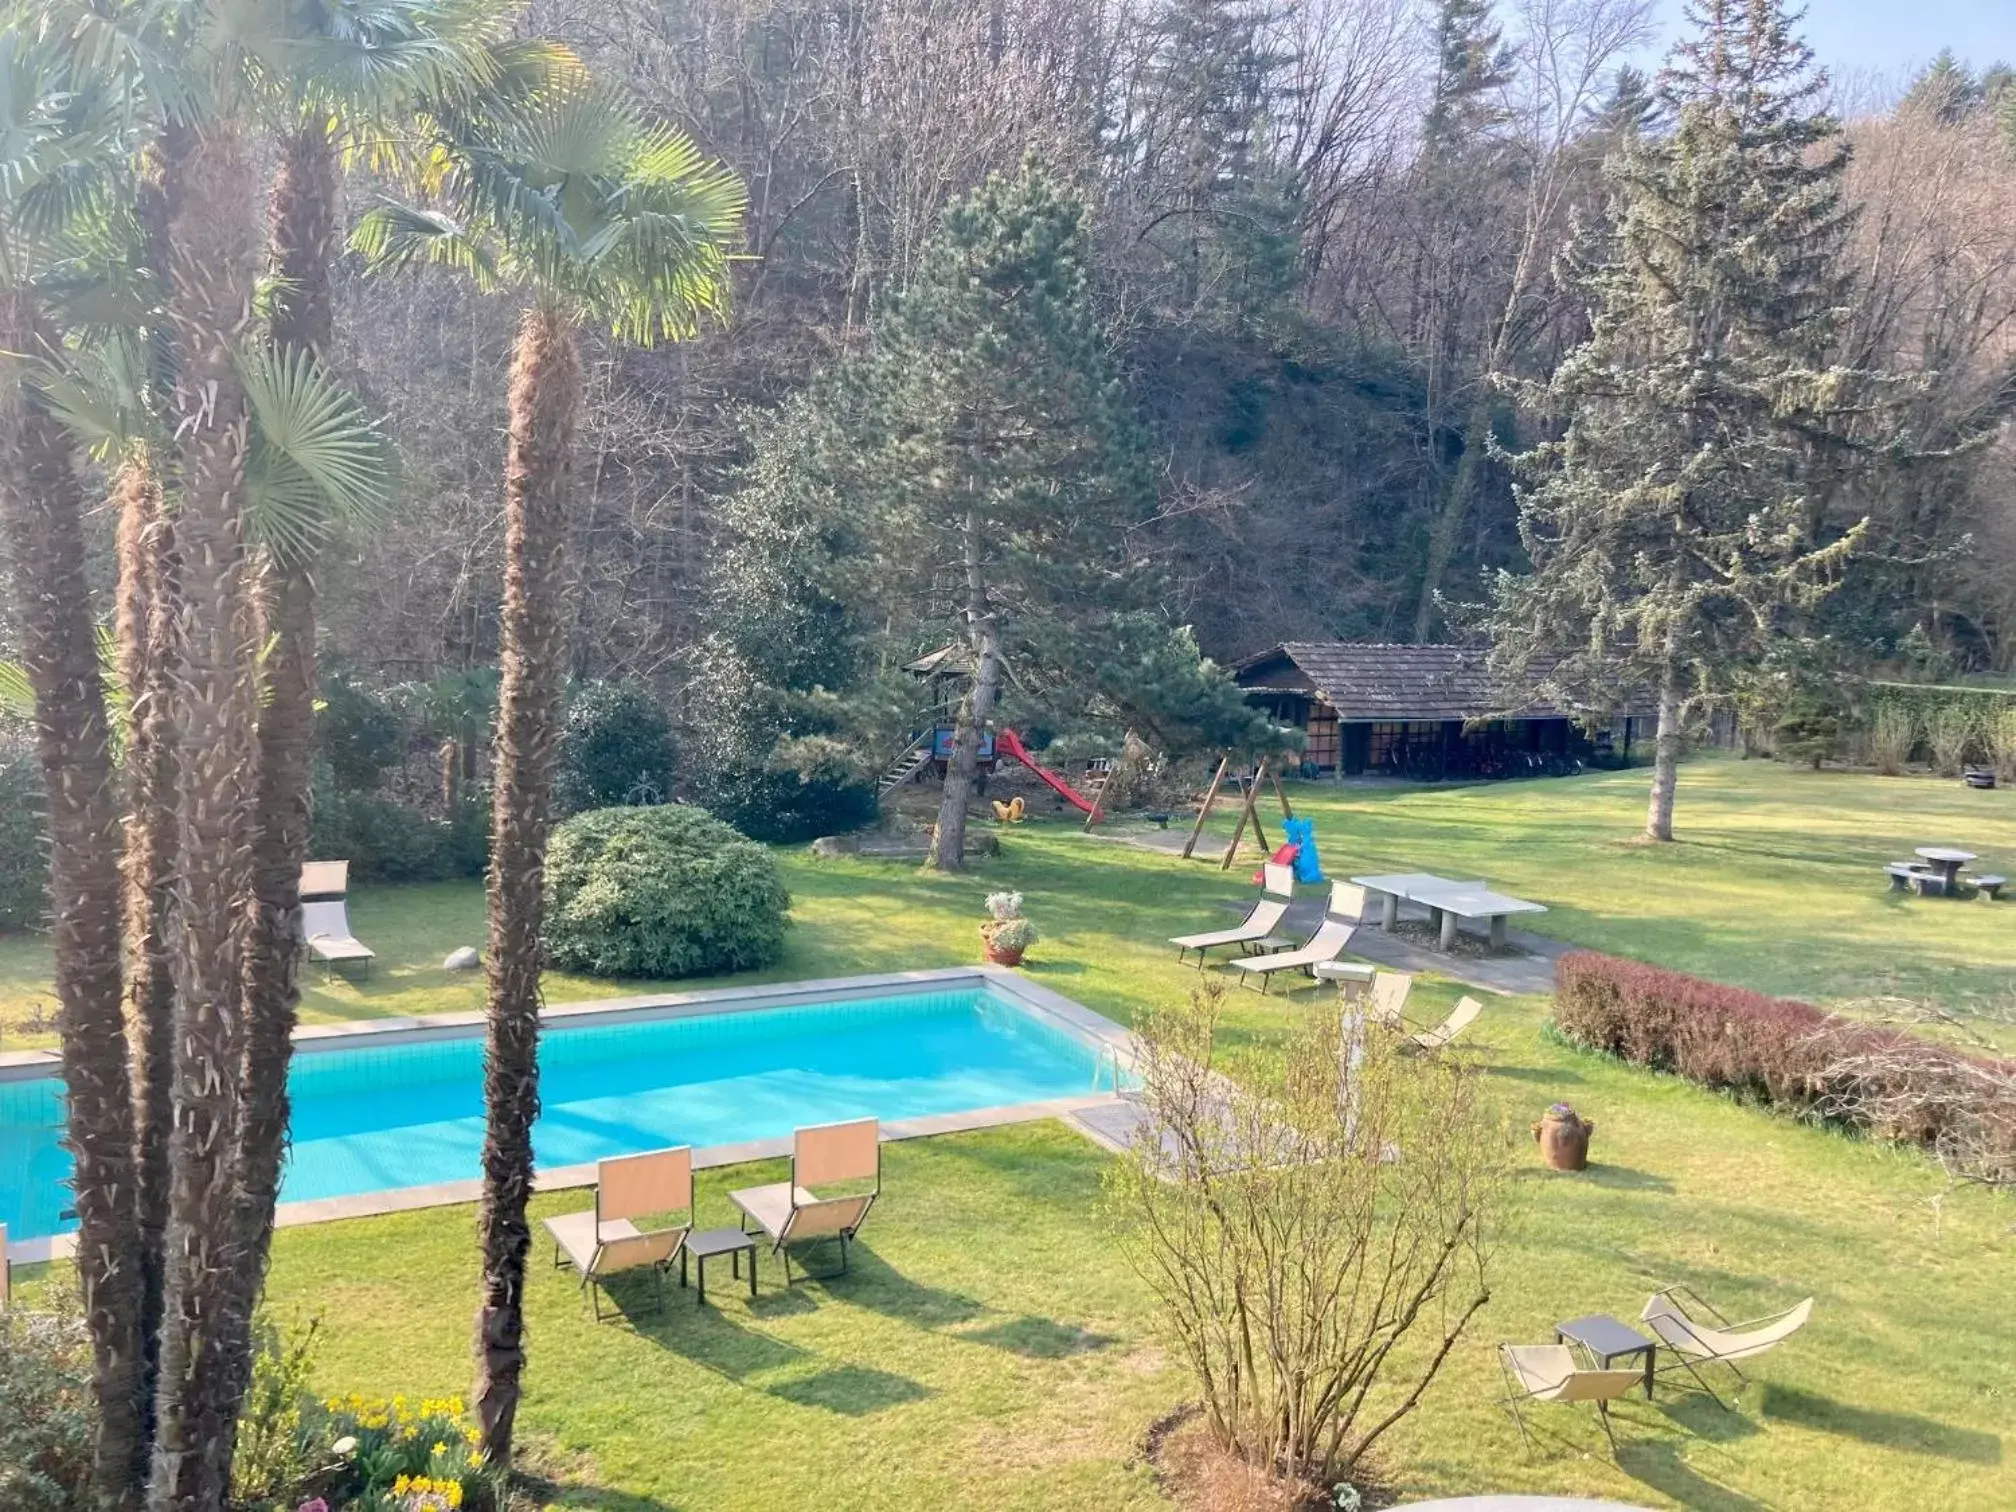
column 666, row 891
column 1791, row 1054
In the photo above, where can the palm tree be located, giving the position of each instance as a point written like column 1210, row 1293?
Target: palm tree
column 59, row 144
column 571, row 196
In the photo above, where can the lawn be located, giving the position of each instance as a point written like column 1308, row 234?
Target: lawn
column 992, row 1349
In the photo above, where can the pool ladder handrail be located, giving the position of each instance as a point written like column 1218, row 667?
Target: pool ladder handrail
column 1106, row 1053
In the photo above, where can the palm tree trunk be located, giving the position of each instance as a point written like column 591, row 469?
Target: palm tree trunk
column 948, row 848
column 302, row 231
column 544, row 403
column 42, row 501
column 145, row 626
column 214, row 259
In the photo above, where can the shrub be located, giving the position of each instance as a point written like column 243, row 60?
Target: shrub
column 1886, row 1082
column 668, row 891
column 357, row 733
column 2002, row 741
column 388, row 842
column 24, row 868
column 1951, row 732
column 47, row 1421
column 782, row 807
column 616, row 747
column 1893, row 735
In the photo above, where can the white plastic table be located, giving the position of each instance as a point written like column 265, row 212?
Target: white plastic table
column 1446, row 902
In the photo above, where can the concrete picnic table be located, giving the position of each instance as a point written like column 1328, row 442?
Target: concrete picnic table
column 1446, row 902
column 1949, row 859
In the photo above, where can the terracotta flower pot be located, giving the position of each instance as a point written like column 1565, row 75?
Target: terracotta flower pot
column 1564, row 1139
column 1000, row 955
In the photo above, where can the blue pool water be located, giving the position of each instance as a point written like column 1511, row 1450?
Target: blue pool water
column 376, row 1118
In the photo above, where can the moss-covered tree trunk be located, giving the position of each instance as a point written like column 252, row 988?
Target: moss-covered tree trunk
column 545, row 397
column 948, row 846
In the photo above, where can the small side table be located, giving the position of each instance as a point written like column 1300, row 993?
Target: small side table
column 1608, row 1339
column 704, row 1244
column 1353, row 978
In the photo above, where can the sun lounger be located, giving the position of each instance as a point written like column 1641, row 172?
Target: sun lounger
column 1261, row 920
column 1389, row 998
column 1460, row 1018
column 325, row 916
column 1675, row 1314
column 1326, row 944
column 1548, row 1373
column 796, row 1212
column 604, row 1239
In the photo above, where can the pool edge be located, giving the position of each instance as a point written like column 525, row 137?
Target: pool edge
column 1074, row 1017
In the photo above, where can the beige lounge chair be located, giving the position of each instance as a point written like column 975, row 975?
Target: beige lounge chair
column 1694, row 1343
column 795, row 1212
column 1276, row 888
column 1340, row 922
column 1548, row 1373
column 325, row 916
column 1389, row 999
column 604, row 1239
column 1428, row 1041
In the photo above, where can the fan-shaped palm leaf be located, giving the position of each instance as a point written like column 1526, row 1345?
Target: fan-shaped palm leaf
column 316, row 463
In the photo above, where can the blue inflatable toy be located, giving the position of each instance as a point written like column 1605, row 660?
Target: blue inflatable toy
column 1302, row 834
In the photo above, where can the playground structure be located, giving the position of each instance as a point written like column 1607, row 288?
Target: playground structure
column 1008, row 743
column 1249, row 812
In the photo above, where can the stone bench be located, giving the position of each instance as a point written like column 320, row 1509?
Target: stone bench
column 1923, row 880
column 1990, row 888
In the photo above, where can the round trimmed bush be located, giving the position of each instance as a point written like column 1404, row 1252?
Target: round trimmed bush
column 667, row 891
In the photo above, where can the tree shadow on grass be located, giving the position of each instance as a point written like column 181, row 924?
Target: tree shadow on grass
column 851, row 1390
column 590, row 1498
column 1890, row 1430
column 1039, row 1338
column 1625, row 1178
column 1546, row 1074
column 1696, row 1413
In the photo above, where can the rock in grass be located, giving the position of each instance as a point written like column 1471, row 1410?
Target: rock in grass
column 464, row 959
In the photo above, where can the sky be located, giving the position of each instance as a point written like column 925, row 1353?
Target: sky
column 1893, row 37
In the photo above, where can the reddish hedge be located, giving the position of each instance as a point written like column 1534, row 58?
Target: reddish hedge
column 1792, row 1054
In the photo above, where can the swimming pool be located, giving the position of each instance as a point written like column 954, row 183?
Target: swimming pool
column 379, row 1111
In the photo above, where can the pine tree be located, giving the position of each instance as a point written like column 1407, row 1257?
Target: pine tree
column 1681, row 521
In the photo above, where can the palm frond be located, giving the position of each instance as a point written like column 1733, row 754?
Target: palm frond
column 399, row 238
column 316, row 463
column 98, row 394
column 17, row 694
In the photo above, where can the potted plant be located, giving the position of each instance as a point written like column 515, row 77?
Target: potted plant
column 1006, row 933
column 1564, row 1138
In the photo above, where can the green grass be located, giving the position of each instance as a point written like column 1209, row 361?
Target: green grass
column 993, row 1350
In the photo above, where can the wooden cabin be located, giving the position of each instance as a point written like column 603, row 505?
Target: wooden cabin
column 1419, row 711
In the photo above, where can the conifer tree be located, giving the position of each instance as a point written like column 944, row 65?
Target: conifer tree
column 1679, row 523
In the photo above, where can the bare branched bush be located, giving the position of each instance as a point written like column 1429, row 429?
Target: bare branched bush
column 1961, row 1110
column 1315, row 1224
column 1951, row 731
column 1893, row 732
column 2002, row 742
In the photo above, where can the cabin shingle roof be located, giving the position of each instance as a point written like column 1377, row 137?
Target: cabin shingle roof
column 1370, row 681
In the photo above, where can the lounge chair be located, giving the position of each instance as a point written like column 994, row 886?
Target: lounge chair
column 604, row 1240
column 1276, row 888
column 1389, row 998
column 325, row 916
column 1340, row 922
column 1674, row 1313
column 795, row 1213
column 1548, row 1373
column 1428, row 1041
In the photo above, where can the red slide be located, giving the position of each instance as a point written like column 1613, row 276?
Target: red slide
column 1008, row 743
